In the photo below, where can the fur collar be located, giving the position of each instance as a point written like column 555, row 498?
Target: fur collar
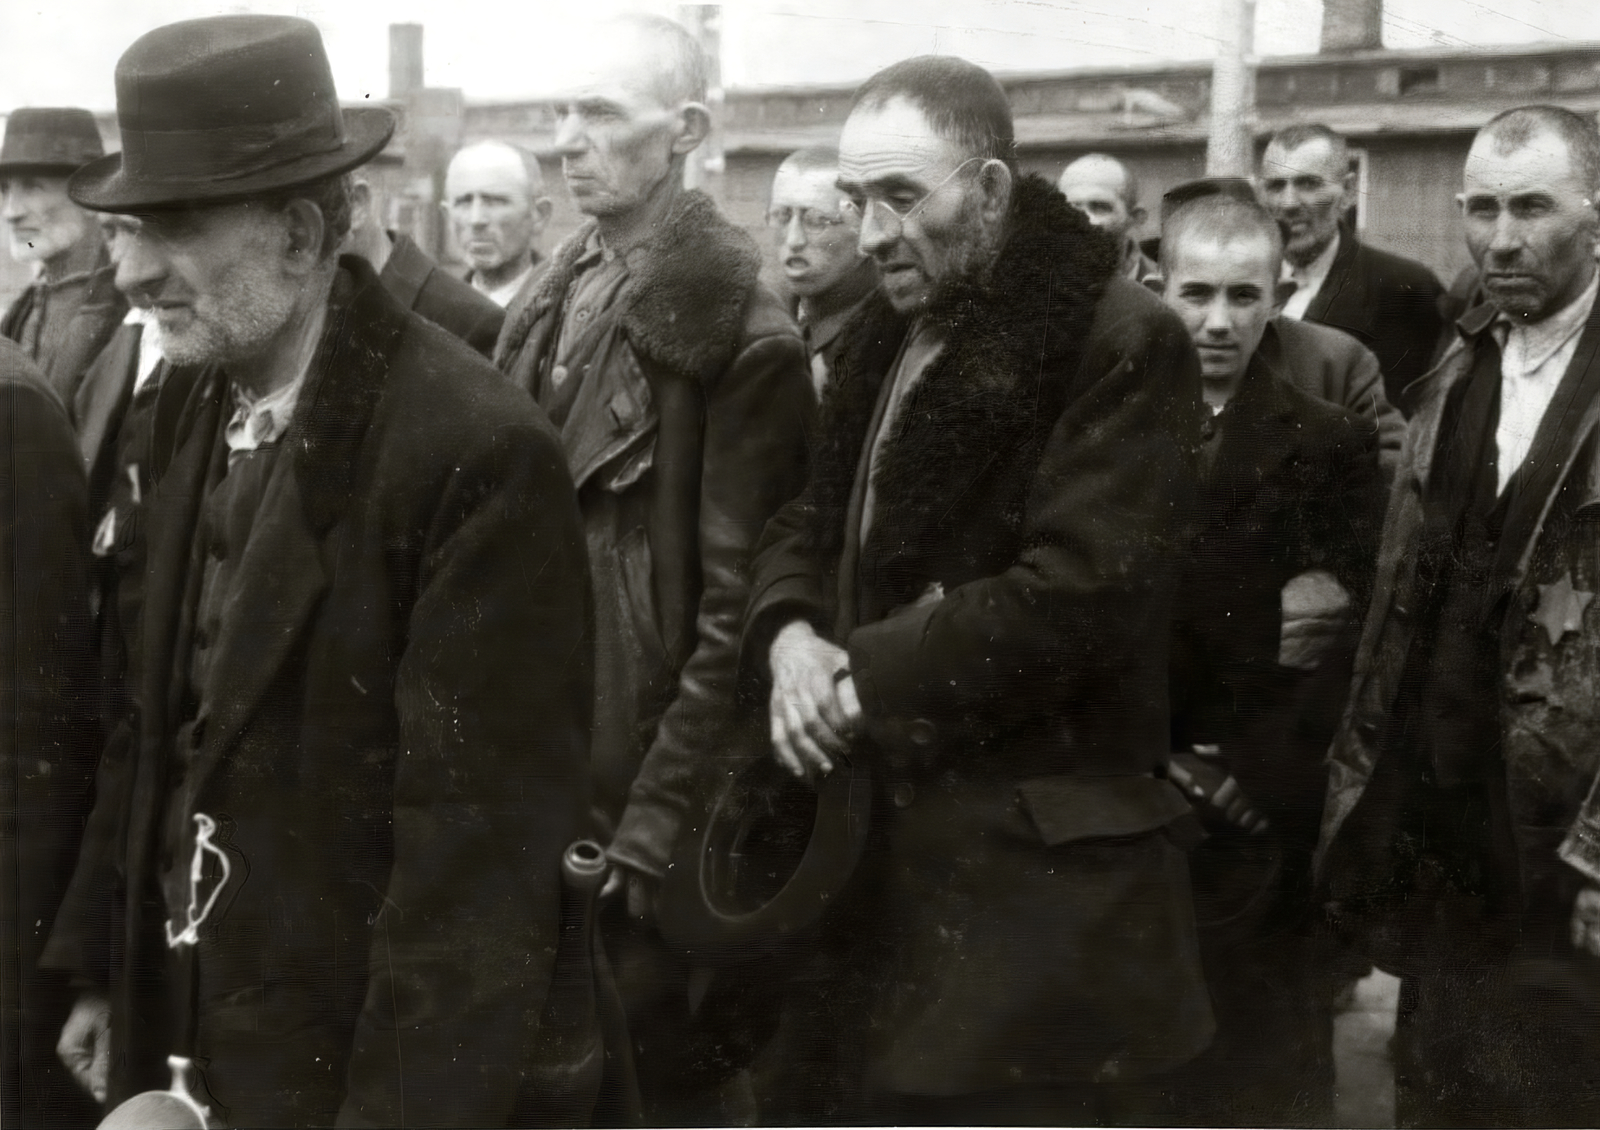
column 685, row 300
column 1014, row 336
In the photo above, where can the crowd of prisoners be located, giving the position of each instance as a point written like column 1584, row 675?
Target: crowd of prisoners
column 1005, row 673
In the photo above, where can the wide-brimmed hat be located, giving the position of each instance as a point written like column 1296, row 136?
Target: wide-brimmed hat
column 49, row 139
column 225, row 107
column 770, row 856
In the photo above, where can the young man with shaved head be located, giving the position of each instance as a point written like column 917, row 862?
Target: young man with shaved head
column 1291, row 501
column 1106, row 191
column 494, row 196
column 971, row 597
column 817, row 249
column 1461, row 841
column 1385, row 301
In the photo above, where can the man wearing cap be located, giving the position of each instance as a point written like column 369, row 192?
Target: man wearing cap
column 71, row 309
column 330, row 862
column 971, row 596
column 1388, row 303
column 1106, row 191
column 1290, row 504
column 494, row 196
column 416, row 281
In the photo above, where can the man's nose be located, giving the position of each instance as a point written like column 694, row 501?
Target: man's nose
column 1507, row 238
column 1217, row 323
column 476, row 212
column 877, row 235
column 570, row 139
column 794, row 234
column 141, row 266
column 10, row 206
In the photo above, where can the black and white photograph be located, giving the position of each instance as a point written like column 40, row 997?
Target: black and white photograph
column 799, row 563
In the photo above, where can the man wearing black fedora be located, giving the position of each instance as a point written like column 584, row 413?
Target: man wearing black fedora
column 327, row 870
column 71, row 309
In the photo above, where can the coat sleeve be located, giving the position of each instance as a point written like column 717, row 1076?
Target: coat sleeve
column 758, row 421
column 1103, row 522
column 1364, row 395
column 492, row 693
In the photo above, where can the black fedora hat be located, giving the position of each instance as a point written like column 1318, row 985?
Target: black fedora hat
column 49, row 139
column 225, row 107
column 770, row 856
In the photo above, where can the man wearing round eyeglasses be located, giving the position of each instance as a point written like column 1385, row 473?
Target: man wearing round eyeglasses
column 829, row 276
column 972, row 597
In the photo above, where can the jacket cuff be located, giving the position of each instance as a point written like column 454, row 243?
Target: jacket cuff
column 781, row 604
column 645, row 838
column 883, row 662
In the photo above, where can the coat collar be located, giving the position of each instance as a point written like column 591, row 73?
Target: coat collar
column 1343, row 300
column 684, row 303
column 1014, row 336
column 406, row 271
column 310, row 490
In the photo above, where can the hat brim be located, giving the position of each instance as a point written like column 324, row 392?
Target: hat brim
column 696, row 916
column 105, row 186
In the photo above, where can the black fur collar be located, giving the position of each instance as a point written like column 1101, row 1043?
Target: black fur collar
column 685, row 300
column 1014, row 336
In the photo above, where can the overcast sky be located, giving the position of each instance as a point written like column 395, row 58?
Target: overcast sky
column 55, row 52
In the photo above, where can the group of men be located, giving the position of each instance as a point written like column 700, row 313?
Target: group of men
column 360, row 591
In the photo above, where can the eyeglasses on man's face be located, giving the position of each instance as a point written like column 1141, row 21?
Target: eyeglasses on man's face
column 812, row 220
column 898, row 210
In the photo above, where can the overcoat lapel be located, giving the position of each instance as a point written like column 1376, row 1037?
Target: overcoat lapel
column 1566, row 426
column 105, row 392
column 1343, row 301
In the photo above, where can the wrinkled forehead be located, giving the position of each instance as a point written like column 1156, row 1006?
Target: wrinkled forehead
column 1234, row 259
column 490, row 172
column 806, row 188
column 1314, row 158
column 614, row 63
column 43, row 184
column 894, row 139
column 1540, row 163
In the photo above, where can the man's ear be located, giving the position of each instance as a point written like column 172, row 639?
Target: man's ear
column 995, row 183
column 303, row 231
column 360, row 204
column 1282, row 292
column 1136, row 218
column 542, row 207
column 694, row 126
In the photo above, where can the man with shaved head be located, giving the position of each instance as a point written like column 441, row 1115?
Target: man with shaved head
column 493, row 194
column 1106, row 191
column 1385, row 301
column 817, row 248
column 1461, row 840
column 680, row 387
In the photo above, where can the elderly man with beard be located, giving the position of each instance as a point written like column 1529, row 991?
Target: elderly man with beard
column 66, row 317
column 972, row 593
column 328, row 870
column 1461, row 839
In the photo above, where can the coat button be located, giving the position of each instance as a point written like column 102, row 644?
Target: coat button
column 903, row 794
column 921, row 732
column 558, row 375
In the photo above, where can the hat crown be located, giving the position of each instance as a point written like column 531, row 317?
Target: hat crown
column 50, row 137
column 225, row 72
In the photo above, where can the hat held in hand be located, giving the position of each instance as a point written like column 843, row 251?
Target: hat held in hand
column 225, row 107
column 49, row 139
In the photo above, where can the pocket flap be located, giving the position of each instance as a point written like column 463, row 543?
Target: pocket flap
column 1067, row 808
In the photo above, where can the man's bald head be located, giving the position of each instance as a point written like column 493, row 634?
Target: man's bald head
column 1105, row 190
column 493, row 194
column 663, row 49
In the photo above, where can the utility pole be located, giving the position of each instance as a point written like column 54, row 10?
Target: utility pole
column 1230, row 152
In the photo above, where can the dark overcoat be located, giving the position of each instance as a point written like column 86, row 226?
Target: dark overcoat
column 689, row 429
column 1388, row 303
column 86, row 334
column 47, row 735
column 394, row 760
column 1006, row 622
column 422, row 285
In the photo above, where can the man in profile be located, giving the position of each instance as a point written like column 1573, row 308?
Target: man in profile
column 327, row 870
column 494, row 196
column 1388, row 303
column 829, row 277
column 1106, row 191
column 69, row 312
